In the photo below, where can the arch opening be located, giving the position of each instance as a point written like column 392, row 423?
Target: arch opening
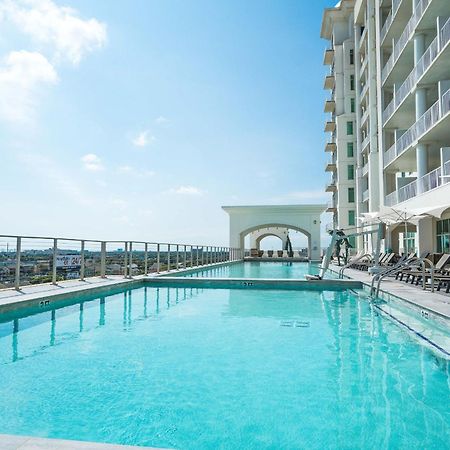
column 277, row 237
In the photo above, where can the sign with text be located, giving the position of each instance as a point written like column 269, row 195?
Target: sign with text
column 68, row 261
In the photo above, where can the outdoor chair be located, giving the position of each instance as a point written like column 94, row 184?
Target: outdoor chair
column 439, row 269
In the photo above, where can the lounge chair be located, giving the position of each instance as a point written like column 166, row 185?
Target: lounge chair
column 438, row 269
column 275, row 254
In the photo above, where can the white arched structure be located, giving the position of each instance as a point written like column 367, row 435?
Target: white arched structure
column 303, row 218
column 258, row 235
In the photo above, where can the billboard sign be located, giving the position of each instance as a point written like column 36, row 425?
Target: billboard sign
column 68, row 261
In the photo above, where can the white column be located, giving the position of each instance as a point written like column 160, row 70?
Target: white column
column 425, row 241
column 421, row 107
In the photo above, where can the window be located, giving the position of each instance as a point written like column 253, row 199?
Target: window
column 351, row 195
column 349, row 149
column 352, row 56
column 409, row 241
column 352, row 105
column 351, row 217
column 349, row 128
column 352, row 82
column 443, row 236
column 351, row 172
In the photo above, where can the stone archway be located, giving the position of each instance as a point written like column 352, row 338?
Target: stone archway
column 302, row 218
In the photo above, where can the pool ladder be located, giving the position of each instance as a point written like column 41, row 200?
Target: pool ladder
column 402, row 264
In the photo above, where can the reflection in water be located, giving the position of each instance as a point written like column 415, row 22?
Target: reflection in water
column 64, row 311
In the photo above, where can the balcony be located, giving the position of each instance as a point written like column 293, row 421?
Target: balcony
column 404, row 38
column 329, row 82
column 330, row 147
column 331, row 186
column 328, row 57
column 365, row 143
column 330, row 166
column 365, row 195
column 330, row 106
column 426, row 61
column 330, row 126
column 390, row 19
column 331, row 207
column 432, row 180
column 421, row 127
column 365, row 169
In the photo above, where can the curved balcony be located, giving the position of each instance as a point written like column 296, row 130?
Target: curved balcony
column 330, row 147
column 330, row 106
column 330, row 126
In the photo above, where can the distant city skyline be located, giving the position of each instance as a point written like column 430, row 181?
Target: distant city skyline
column 138, row 120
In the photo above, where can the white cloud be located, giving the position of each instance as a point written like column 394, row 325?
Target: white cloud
column 58, row 27
column 92, row 162
column 186, row 190
column 135, row 172
column 161, row 120
column 143, row 139
column 21, row 74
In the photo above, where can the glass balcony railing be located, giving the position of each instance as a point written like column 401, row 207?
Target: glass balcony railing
column 404, row 38
column 440, row 108
column 421, row 67
column 390, row 18
column 432, row 180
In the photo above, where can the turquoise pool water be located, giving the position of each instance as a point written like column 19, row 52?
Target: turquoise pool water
column 259, row 270
column 218, row 368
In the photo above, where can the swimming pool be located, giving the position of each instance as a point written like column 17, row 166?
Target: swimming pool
column 257, row 269
column 218, row 368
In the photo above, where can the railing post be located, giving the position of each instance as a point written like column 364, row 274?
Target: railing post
column 130, row 270
column 191, row 257
column 125, row 260
column 18, row 252
column 146, row 259
column 168, row 257
column 55, row 252
column 203, row 255
column 196, row 256
column 103, row 260
column 184, row 257
column 82, row 261
column 178, row 257
column 157, row 258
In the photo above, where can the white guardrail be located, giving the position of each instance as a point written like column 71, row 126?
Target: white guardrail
column 439, row 109
column 432, row 180
column 404, row 38
column 27, row 260
column 420, row 68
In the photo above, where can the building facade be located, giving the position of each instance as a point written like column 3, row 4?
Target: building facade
column 402, row 104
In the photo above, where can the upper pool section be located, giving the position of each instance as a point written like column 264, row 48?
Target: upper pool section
column 252, row 270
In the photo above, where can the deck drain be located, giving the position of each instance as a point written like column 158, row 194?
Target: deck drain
column 295, row 324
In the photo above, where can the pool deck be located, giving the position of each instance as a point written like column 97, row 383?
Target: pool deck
column 436, row 302
column 11, row 442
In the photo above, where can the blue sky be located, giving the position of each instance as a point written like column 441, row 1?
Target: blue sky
column 139, row 119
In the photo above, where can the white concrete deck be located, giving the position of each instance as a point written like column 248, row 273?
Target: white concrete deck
column 10, row 442
column 436, row 302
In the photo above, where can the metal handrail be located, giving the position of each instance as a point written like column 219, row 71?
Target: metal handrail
column 378, row 278
column 189, row 254
column 353, row 261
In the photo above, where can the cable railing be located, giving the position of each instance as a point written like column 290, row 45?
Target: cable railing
column 30, row 260
column 404, row 37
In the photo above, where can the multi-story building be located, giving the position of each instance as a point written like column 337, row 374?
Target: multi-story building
column 338, row 29
column 402, row 73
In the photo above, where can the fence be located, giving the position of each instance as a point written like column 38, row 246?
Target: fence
column 27, row 260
